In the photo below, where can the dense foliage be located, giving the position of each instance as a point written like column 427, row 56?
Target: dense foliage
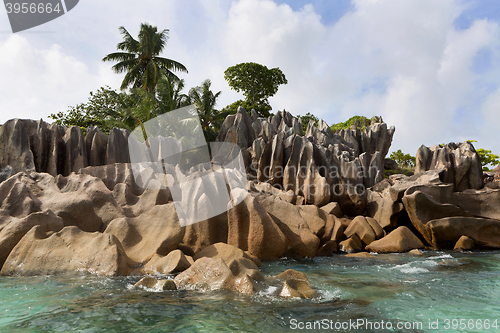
column 210, row 118
column 102, row 109
column 257, row 82
column 405, row 161
column 357, row 121
column 486, row 157
column 107, row 108
column 306, row 119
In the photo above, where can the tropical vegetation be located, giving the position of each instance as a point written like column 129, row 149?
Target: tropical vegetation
column 140, row 59
column 257, row 82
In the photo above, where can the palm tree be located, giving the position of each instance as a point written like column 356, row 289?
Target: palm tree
column 170, row 96
column 205, row 100
column 140, row 59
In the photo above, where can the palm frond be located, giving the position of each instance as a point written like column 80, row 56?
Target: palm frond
column 129, row 43
column 125, row 66
column 171, row 64
column 119, row 56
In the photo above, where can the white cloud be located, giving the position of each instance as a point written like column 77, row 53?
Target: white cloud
column 37, row 82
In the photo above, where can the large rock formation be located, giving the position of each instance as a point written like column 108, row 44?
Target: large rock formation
column 460, row 162
column 384, row 201
column 480, row 203
column 320, row 166
column 422, row 208
column 69, row 250
column 28, row 145
column 251, row 229
column 155, row 232
column 447, row 231
column 68, row 201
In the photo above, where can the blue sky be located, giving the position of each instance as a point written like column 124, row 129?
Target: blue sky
column 430, row 68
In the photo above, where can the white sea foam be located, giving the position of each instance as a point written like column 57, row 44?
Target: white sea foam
column 409, row 269
column 444, row 256
column 414, row 270
column 327, row 295
column 269, row 291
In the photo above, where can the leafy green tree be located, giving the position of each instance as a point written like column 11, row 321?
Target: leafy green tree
column 140, row 58
column 102, row 109
column 263, row 109
column 306, row 118
column 107, row 108
column 170, row 96
column 257, row 82
column 487, row 158
column 404, row 160
column 357, row 121
column 205, row 100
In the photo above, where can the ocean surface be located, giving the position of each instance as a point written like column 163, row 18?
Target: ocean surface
column 437, row 292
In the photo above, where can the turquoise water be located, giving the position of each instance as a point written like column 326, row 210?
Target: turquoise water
column 396, row 288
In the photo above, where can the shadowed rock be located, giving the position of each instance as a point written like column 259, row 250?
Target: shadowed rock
column 480, row 203
column 422, row 208
column 447, row 231
column 250, row 228
column 460, row 162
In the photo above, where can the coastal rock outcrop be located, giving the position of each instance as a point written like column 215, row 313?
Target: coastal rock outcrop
column 447, row 231
column 69, row 250
column 175, row 261
column 480, row 203
column 399, row 240
column 295, row 284
column 214, row 274
column 15, row 228
column 422, row 208
column 301, row 240
column 366, row 228
column 460, row 162
column 384, row 200
column 155, row 232
column 28, row 145
column 250, row 228
column 320, row 166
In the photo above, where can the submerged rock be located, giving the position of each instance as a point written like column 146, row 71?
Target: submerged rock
column 152, row 283
column 214, row 274
column 295, row 284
